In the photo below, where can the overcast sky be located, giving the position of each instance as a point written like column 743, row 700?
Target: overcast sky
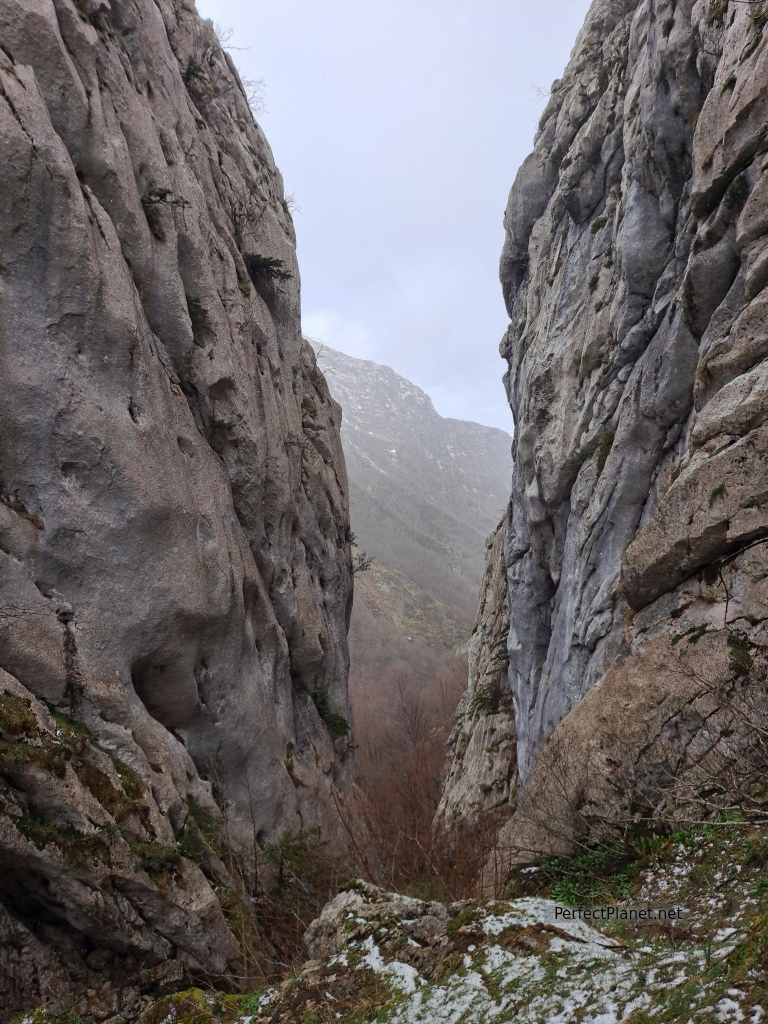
column 399, row 127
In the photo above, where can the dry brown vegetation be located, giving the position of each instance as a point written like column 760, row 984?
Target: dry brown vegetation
column 404, row 695
column 690, row 747
column 713, row 761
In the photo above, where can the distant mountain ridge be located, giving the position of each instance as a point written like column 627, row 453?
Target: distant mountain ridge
column 425, row 492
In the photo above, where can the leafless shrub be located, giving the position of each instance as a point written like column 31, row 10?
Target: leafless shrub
column 223, row 33
column 401, row 758
column 724, row 769
column 255, row 94
column 244, row 207
column 290, row 203
column 706, row 760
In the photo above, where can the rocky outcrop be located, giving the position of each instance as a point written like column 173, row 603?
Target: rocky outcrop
column 634, row 271
column 175, row 572
column 482, row 769
column 383, row 957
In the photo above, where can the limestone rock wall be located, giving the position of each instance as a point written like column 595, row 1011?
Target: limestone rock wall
column 482, row 769
column 175, row 573
column 634, row 271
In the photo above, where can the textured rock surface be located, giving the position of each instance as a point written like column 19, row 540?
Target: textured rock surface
column 175, row 570
column 634, row 271
column 383, row 958
column 482, row 774
column 634, row 276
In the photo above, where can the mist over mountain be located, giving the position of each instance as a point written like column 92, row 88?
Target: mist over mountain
column 425, row 492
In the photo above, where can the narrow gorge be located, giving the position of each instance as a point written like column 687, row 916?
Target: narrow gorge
column 177, row 741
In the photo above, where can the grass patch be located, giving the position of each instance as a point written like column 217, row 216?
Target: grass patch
column 16, row 716
column 50, row 754
column 162, row 863
column 78, row 848
column 133, row 784
column 71, row 732
column 715, row 493
column 100, row 786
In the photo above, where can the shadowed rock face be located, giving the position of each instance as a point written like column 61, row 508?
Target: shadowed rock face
column 482, row 774
column 175, row 570
column 634, row 272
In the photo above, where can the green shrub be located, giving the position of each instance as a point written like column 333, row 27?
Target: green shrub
column 297, row 856
column 752, row 45
column 485, row 700
column 361, row 562
column 198, row 314
column 337, row 724
column 592, row 876
column 717, row 12
column 155, row 195
column 261, row 267
column 729, row 83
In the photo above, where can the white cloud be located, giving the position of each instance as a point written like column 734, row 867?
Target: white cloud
column 344, row 335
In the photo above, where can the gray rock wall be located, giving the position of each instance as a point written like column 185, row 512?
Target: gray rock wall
column 634, row 271
column 175, row 571
column 482, row 777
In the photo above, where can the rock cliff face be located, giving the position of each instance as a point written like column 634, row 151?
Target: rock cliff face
column 175, row 572
column 483, row 773
column 634, row 272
